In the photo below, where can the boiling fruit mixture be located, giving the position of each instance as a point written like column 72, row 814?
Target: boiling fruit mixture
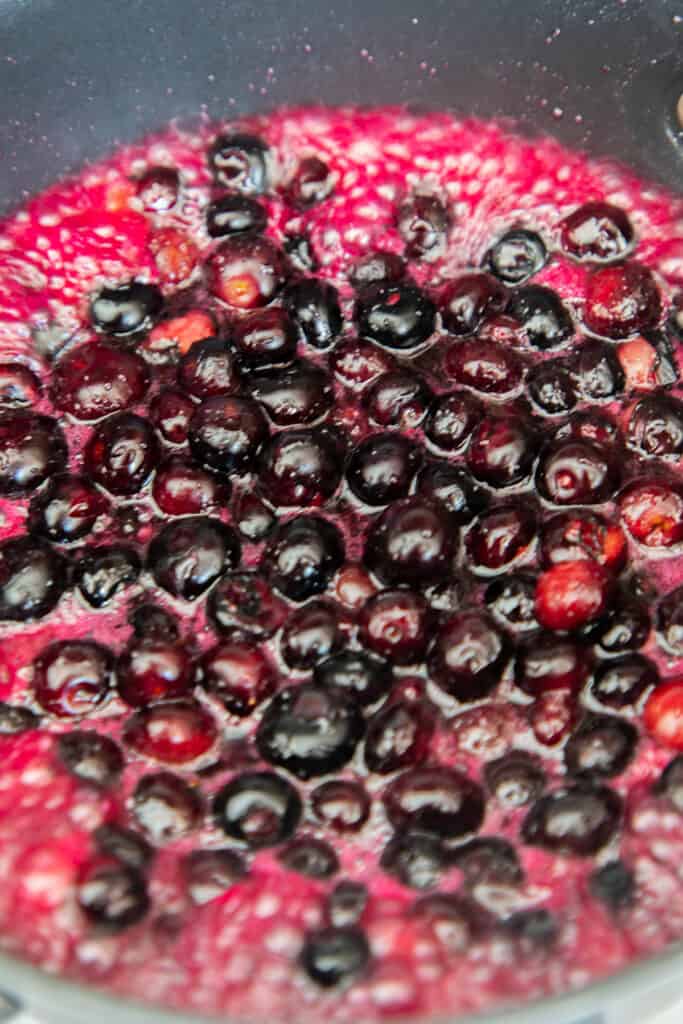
column 341, row 569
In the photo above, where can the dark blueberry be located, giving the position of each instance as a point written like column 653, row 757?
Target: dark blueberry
column 96, row 380
column 157, row 189
column 423, row 222
column 302, row 556
column 655, row 427
column 622, row 300
column 235, row 215
column 398, row 736
column 626, row 626
column 102, row 572
column 112, row 896
column 14, row 719
column 121, row 453
column 154, row 669
column 332, row 956
column 484, row 366
column 671, row 783
column 341, row 805
column 32, row 449
column 511, row 602
column 377, row 267
column 614, row 884
column 545, row 319
column 365, row 677
column 266, row 337
column 398, row 398
column 19, row 387
column 124, row 845
column 311, row 857
column 258, row 808
column 597, row 372
column 311, row 183
column 669, row 621
column 311, row 634
column 536, row 930
column 454, row 488
column 210, row 873
column 188, row 555
column 183, row 488
column 576, row 473
column 440, row 801
column 252, row 518
column 33, row 577
column 314, row 305
column 578, row 820
column 468, row 656
column 412, row 542
column 91, row 757
column 127, row 308
column 465, row 303
column 238, row 674
column 300, row 468
column 621, row 682
column 239, row 162
column 451, row 420
column 500, row 535
column 67, row 509
column 502, row 450
column 171, row 412
column 551, row 389
column 488, row 861
column 399, row 316
column 454, row 921
column 72, row 677
column 593, row 425
column 227, row 433
column 396, row 624
column 151, row 622
column 310, row 730
column 246, row 271
column 208, row 369
column 516, row 779
column 243, row 602
column 601, row 747
column 415, row 859
column 596, row 233
column 166, row 807
column 300, row 253
column 517, row 255
column 346, row 903
column 296, row 395
column 549, row 662
column 382, row 467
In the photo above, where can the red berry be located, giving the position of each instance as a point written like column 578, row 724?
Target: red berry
column 484, row 366
column 653, row 513
column 175, row 732
column 395, row 624
column 182, row 488
column 570, row 594
column 175, row 255
column 72, row 677
column 154, row 670
column 552, row 717
column 97, row 379
column 596, row 232
column 573, row 536
column 238, row 674
column 551, row 663
column 622, row 300
column 246, row 272
column 663, row 714
column 171, row 412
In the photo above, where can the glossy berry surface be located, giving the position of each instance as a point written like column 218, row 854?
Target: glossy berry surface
column 187, row 556
column 395, row 624
column 468, row 300
column 258, row 808
column 226, row 433
column 579, row 820
column 97, row 379
column 125, row 309
column 468, row 656
column 398, row 316
column 33, row 577
column 440, row 801
column 302, row 556
column 32, row 448
column 596, row 233
column 238, row 675
column 121, row 453
column 412, row 542
column 381, row 468
column 67, row 510
column 621, row 301
column 246, row 272
column 546, row 321
column 516, row 256
column 71, row 677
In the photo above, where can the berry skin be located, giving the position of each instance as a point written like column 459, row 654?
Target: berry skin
column 150, row 622
column 626, row 627
column 112, row 896
column 166, row 807
column 622, row 301
column 358, row 363
column 311, row 634
column 91, row 758
column 571, row 594
column 655, row 427
column 516, row 779
column 239, row 163
column 103, row 571
column 208, row 369
column 376, row 267
column 238, row 674
column 551, row 388
column 670, row 621
column 468, row 656
column 72, row 677
column 398, row 398
column 33, row 577
column 341, row 805
column 516, row 256
column 157, row 189
column 553, row 716
column 415, row 859
column 126, row 309
column 267, row 337
column 333, row 956
column 499, row 536
column 67, row 509
column 468, row 300
column 597, row 372
column 367, row 678
column 576, row 473
column 153, row 670
column 253, row 519
column 170, row 412
column 227, row 433
column 614, row 885
column 601, row 747
column 510, row 599
column 314, row 305
column 243, row 602
column 300, row 468
column 502, row 450
column 188, row 555
column 235, row 215
column 32, row 449
column 174, row 732
column 452, row 419
column 549, row 663
column 182, row 488
column 302, row 556
column 121, row 453
column 423, row 222
column 652, row 512
column 310, row 731
column 577, row 821
column 15, row 720
column 596, row 233
column 576, row 536
column 440, row 801
column 398, row 736
column 124, row 845
column 454, row 488
column 621, row 682
column 663, row 715
column 346, row 903
column 398, row 316
column 382, row 467
column 546, row 321
column 211, row 873
column 96, row 380
column 396, row 625
column 310, row 857
column 484, row 366
column 411, row 542
column 19, row 387
column 297, row 395
column 259, row 808
column 245, row 272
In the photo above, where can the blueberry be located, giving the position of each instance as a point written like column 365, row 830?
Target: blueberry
column 382, row 467
column 601, row 747
column 67, row 509
column 341, row 805
column 166, row 807
column 454, row 488
column 488, row 861
column 452, row 419
column 516, row 256
column 398, row 316
column 577, row 820
column 516, row 779
column 32, row 449
column 440, row 801
column 366, row 677
column 243, row 602
column 124, row 845
column 259, row 808
column 621, row 682
column 210, row 873
column 121, row 453
column 311, row 184
column 299, row 394
column 469, row 300
column 91, row 757
column 113, row 896
column 266, row 337
column 511, row 602
column 103, row 571
column 311, row 857
column 300, row 253
column 239, row 163
column 346, row 903
column 545, row 319
column 332, row 955
column 412, row 542
column 550, row 388
column 33, row 577
column 227, row 433
column 302, row 556
column 597, row 372
column 126, row 308
column 398, row 736
column 415, row 859
column 614, row 885
column 235, row 215
column 377, row 267
column 15, row 720
column 314, row 305
column 468, row 656
column 535, row 929
column 188, row 555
